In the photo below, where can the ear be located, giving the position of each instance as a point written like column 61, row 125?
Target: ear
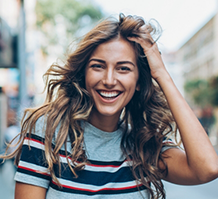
column 138, row 87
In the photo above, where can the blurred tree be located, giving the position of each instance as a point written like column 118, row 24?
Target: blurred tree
column 203, row 92
column 198, row 91
column 213, row 85
column 61, row 21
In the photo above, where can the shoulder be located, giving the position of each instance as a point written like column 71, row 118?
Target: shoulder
column 39, row 127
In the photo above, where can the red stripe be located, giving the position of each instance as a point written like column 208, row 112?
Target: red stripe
column 170, row 142
column 95, row 165
column 35, row 171
column 34, row 140
column 94, row 191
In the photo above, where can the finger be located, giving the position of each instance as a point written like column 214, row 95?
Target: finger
column 133, row 39
column 145, row 31
column 145, row 42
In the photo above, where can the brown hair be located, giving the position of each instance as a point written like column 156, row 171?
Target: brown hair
column 68, row 103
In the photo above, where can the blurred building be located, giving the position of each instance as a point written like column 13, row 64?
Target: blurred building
column 174, row 68
column 18, row 45
column 199, row 55
column 199, row 59
column 8, row 60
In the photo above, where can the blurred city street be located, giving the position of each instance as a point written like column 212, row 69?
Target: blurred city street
column 205, row 191
column 34, row 34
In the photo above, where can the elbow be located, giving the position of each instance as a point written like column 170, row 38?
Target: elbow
column 209, row 174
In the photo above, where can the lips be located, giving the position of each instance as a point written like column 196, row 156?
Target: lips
column 109, row 94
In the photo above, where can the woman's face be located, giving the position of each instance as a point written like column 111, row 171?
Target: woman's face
column 111, row 77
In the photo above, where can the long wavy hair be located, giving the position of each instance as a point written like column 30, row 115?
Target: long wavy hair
column 68, row 103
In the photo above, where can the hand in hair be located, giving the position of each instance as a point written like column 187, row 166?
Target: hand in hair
column 151, row 51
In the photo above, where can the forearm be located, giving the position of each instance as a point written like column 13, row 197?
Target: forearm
column 201, row 156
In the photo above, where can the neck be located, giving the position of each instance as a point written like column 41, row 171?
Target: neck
column 104, row 123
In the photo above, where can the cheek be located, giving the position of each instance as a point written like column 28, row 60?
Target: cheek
column 132, row 82
column 131, row 87
column 88, row 79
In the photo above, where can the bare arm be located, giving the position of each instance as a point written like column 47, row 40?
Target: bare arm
column 27, row 191
column 199, row 162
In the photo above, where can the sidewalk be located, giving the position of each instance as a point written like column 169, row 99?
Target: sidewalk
column 7, row 181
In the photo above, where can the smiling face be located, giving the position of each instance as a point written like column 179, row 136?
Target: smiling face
column 111, row 77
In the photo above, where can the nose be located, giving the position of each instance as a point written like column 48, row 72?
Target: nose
column 109, row 79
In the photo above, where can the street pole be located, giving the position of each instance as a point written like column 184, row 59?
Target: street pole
column 3, row 118
column 23, row 98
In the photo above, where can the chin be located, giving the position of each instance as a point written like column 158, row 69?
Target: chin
column 109, row 113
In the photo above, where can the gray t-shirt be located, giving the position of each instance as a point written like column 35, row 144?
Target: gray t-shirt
column 107, row 175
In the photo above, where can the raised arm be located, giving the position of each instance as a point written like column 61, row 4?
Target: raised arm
column 199, row 162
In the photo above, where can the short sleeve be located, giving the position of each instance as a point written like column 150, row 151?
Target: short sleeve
column 168, row 144
column 32, row 167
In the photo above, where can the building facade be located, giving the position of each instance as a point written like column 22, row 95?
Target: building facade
column 199, row 55
column 199, row 59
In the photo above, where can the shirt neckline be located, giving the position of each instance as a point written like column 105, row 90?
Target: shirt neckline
column 100, row 133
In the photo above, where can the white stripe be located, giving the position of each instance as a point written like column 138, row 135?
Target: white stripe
column 33, row 166
column 99, row 168
column 106, row 169
column 34, row 144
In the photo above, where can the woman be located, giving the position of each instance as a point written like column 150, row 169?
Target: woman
column 102, row 131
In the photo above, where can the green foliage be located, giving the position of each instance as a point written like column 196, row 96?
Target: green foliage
column 198, row 90
column 203, row 92
column 60, row 20
column 213, row 84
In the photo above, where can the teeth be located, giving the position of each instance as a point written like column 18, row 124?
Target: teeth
column 109, row 94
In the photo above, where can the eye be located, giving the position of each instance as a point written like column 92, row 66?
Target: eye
column 96, row 66
column 124, row 68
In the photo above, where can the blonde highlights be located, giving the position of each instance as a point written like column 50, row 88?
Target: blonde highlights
column 68, row 103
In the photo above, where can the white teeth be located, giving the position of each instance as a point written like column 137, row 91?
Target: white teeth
column 109, row 94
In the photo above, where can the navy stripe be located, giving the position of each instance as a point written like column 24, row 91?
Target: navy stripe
column 33, row 156
column 97, row 178
column 112, row 163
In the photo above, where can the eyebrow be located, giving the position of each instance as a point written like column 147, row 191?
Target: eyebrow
column 120, row 62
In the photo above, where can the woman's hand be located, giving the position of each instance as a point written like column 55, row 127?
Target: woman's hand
column 152, row 53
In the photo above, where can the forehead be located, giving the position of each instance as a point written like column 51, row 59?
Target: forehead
column 117, row 48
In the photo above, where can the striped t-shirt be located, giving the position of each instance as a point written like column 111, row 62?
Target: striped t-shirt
column 107, row 175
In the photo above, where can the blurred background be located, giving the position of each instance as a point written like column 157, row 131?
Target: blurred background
column 36, row 33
